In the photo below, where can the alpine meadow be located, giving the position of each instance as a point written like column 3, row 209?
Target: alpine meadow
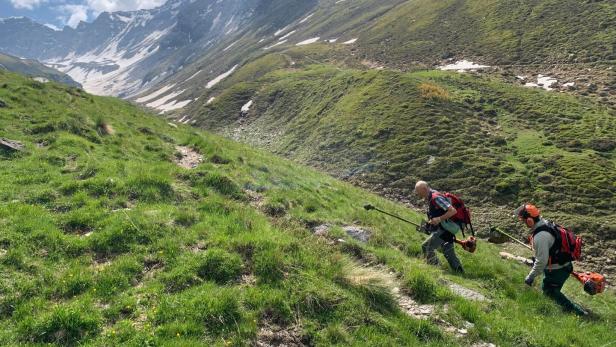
column 308, row 173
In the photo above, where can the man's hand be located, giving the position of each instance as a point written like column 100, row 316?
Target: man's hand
column 529, row 281
column 435, row 221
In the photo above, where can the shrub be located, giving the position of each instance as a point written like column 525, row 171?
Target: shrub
column 432, row 91
column 103, row 127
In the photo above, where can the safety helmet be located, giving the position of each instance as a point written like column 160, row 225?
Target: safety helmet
column 528, row 213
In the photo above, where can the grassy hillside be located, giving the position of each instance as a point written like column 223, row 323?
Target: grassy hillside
column 35, row 69
column 534, row 34
column 503, row 32
column 106, row 241
column 494, row 143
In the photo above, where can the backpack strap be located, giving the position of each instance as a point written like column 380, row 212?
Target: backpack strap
column 551, row 228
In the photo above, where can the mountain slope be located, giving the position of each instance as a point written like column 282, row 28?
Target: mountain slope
column 127, row 53
column 106, row 241
column 117, row 53
column 532, row 36
column 496, row 144
column 499, row 32
column 35, row 69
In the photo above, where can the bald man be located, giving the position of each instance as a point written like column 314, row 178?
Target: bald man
column 442, row 230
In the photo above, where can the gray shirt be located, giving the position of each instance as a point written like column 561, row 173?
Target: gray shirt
column 542, row 242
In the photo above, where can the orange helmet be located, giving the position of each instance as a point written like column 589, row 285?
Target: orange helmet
column 528, row 213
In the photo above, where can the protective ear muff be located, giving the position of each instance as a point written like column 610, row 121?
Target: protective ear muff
column 530, row 222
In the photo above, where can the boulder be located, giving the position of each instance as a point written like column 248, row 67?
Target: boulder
column 11, row 145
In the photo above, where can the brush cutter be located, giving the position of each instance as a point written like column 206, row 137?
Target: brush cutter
column 593, row 282
column 469, row 245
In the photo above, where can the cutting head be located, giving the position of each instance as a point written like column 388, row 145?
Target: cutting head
column 368, row 207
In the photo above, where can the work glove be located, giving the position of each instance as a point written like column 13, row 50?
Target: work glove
column 529, row 281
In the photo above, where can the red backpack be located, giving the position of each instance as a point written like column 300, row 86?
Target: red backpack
column 567, row 246
column 463, row 213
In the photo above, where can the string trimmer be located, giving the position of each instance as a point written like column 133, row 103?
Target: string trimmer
column 593, row 282
column 469, row 245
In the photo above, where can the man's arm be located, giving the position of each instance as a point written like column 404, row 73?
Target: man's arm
column 541, row 245
column 451, row 211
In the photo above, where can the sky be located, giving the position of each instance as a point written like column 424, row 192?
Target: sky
column 58, row 13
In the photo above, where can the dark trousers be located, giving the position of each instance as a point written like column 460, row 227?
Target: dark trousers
column 553, row 282
column 434, row 242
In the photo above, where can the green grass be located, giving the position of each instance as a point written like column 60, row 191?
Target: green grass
column 503, row 32
column 106, row 241
column 493, row 143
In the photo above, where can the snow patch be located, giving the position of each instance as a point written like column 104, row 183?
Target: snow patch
column 287, row 35
column 309, row 41
column 462, row 66
column 164, row 100
column 210, row 100
column 247, row 106
column 229, row 46
column 306, row 18
column 193, row 76
column 545, row 82
column 221, row 77
column 279, row 32
column 276, row 44
column 157, row 93
column 350, row 42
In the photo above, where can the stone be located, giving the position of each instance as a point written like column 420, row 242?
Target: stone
column 357, row 233
column 11, row 145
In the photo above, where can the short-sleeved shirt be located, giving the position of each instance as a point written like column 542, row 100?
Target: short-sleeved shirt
column 441, row 201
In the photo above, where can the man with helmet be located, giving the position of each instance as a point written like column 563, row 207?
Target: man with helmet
column 543, row 243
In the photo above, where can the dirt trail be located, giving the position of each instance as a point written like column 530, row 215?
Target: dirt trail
column 271, row 334
column 188, row 158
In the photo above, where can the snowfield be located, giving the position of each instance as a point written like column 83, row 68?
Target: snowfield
column 463, row 66
column 309, row 41
column 221, row 77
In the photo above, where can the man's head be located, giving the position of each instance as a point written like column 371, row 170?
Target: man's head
column 422, row 189
column 528, row 214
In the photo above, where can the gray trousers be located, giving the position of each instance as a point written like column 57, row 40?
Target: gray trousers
column 435, row 242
